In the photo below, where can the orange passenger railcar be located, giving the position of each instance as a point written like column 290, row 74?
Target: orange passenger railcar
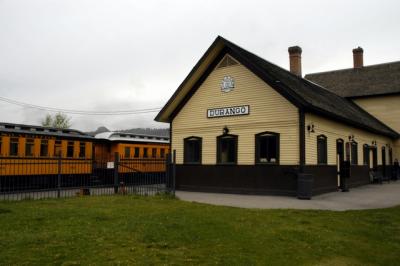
column 35, row 157
column 34, row 150
column 137, row 152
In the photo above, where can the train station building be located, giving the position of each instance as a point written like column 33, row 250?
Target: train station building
column 241, row 124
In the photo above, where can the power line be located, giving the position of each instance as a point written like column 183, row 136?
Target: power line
column 78, row 112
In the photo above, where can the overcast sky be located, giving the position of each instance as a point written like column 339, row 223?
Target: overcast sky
column 127, row 55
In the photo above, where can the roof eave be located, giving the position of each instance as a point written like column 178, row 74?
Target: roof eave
column 163, row 115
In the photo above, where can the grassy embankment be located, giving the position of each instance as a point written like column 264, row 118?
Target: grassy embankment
column 159, row 230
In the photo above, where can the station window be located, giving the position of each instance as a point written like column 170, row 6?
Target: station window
column 70, row 149
column 192, row 150
column 127, row 152
column 322, row 150
column 267, row 148
column 162, row 153
column 57, row 148
column 365, row 154
column 82, row 149
column 154, row 152
column 29, row 145
column 354, row 153
column 137, row 151
column 145, row 154
column 227, row 149
column 44, row 148
column 14, row 147
column 390, row 156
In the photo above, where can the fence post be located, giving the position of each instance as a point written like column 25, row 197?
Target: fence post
column 173, row 171
column 167, row 173
column 59, row 175
column 116, row 163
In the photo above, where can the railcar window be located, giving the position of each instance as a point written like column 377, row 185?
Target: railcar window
column 145, row 154
column 227, row 149
column 57, row 148
column 354, row 153
column 1, row 146
column 267, row 148
column 127, row 152
column 44, row 148
column 154, row 152
column 162, row 153
column 136, row 154
column 322, row 150
column 82, row 149
column 29, row 144
column 70, row 149
column 14, row 146
column 192, row 150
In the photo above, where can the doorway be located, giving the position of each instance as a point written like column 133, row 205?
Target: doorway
column 374, row 158
column 384, row 162
column 339, row 158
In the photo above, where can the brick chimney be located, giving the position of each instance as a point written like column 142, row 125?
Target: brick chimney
column 295, row 60
column 358, row 58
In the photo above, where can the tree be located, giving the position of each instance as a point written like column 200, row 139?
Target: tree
column 59, row 120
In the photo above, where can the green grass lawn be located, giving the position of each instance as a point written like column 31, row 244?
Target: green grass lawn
column 160, row 230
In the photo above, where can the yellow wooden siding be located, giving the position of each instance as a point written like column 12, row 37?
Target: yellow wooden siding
column 333, row 131
column 387, row 109
column 269, row 111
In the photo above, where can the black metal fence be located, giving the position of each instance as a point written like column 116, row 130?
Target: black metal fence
column 37, row 178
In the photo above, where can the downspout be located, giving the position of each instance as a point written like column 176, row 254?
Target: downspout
column 170, row 137
column 302, row 141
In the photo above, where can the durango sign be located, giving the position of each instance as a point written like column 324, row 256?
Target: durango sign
column 228, row 111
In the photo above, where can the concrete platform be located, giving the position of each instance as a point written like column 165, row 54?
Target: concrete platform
column 366, row 197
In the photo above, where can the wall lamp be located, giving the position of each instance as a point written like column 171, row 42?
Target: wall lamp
column 310, row 128
column 351, row 137
column 374, row 142
column 225, row 130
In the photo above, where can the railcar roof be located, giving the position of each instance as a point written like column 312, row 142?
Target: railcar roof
column 40, row 130
column 130, row 137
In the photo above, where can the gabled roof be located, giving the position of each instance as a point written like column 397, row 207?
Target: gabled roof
column 45, row 131
column 371, row 80
column 304, row 94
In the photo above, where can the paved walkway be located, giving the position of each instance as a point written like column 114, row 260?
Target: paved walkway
column 365, row 197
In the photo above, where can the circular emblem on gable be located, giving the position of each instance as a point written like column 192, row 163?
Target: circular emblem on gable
column 227, row 84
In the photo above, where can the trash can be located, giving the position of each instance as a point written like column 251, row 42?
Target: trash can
column 304, row 186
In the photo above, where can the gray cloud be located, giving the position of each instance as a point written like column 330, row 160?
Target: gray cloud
column 112, row 55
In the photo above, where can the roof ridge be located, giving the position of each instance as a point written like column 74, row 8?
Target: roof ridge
column 269, row 62
column 352, row 68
